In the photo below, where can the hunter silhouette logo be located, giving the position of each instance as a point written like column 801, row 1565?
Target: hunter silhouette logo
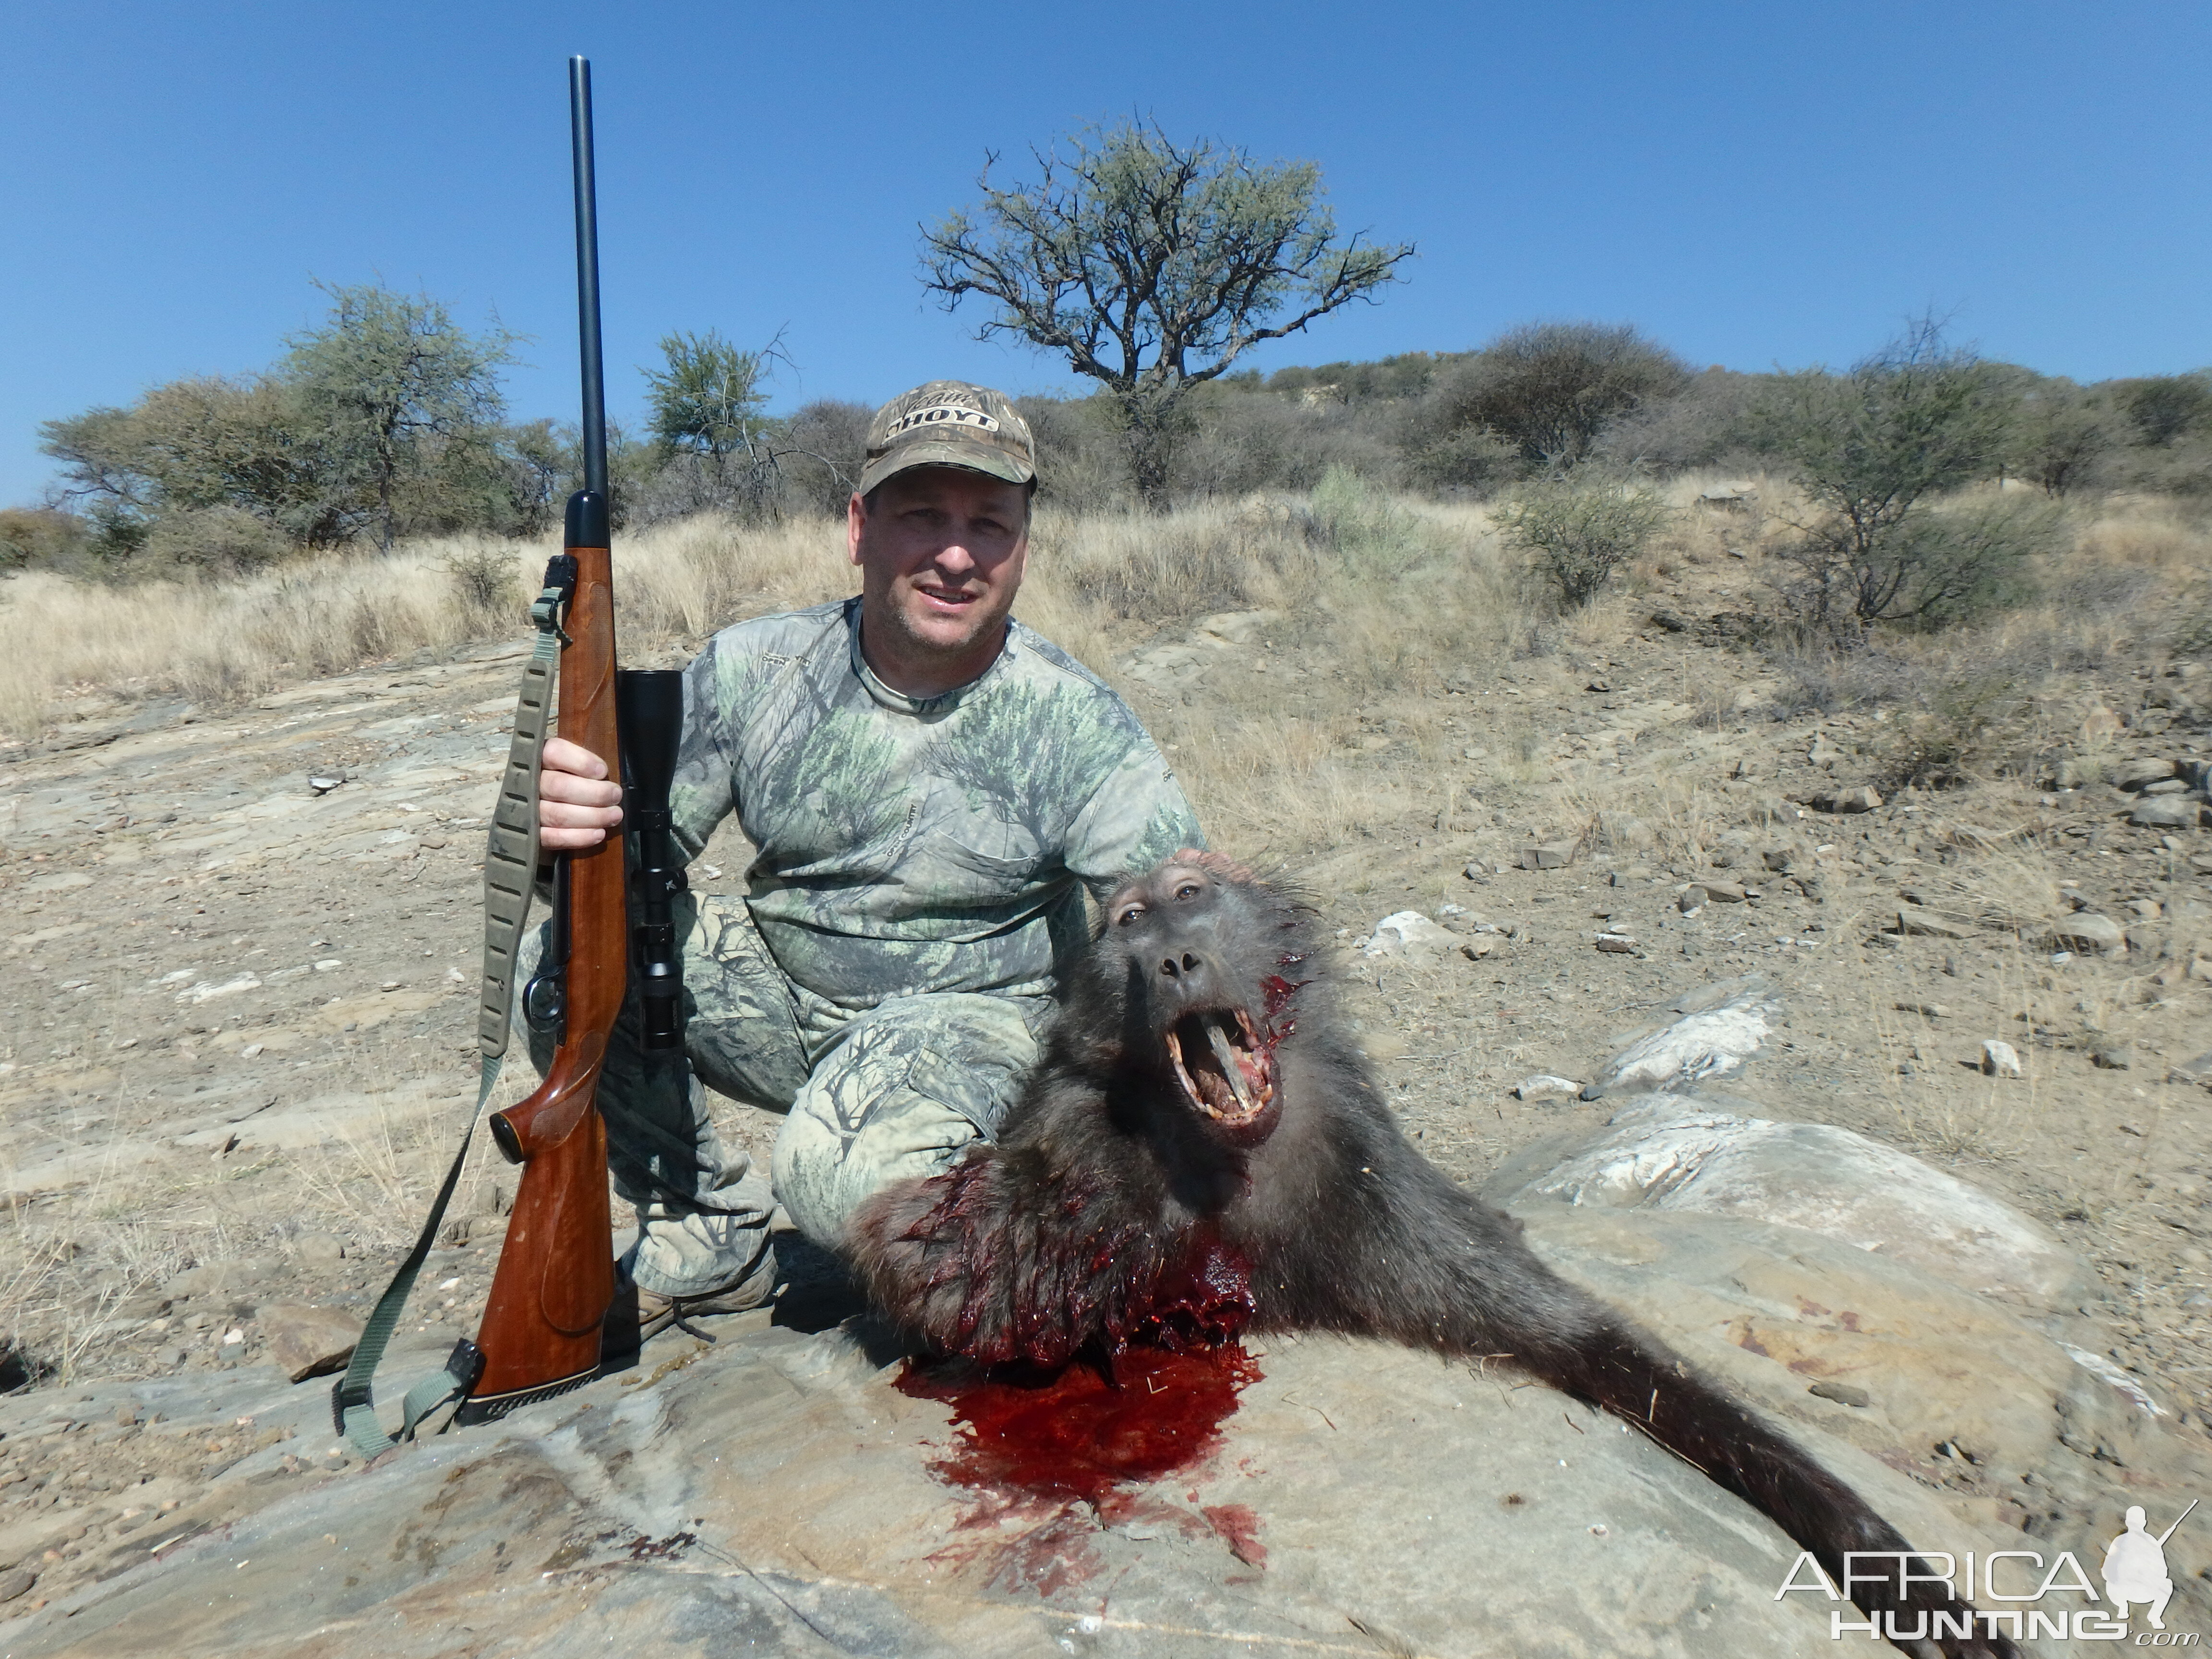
column 2134, row 1567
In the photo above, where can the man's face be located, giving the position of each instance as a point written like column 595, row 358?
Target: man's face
column 941, row 558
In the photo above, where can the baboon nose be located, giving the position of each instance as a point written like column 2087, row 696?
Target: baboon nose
column 1181, row 967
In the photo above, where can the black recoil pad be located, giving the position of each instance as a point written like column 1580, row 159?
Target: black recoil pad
column 649, row 713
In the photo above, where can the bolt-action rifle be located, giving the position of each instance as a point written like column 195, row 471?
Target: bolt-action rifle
column 555, row 1281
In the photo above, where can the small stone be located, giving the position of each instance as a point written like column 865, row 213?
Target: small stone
column 320, row 1249
column 1477, row 947
column 1545, row 1086
column 327, row 964
column 1724, row 892
column 1407, row 933
column 2198, row 1071
column 1619, row 945
column 2086, row 931
column 1843, row 1394
column 15, row 1582
column 308, row 1341
column 1690, row 900
column 1551, row 855
column 1925, row 1010
column 1999, row 1059
column 2166, row 812
column 2146, row 909
column 324, row 786
column 249, row 1050
column 2166, row 786
column 389, row 985
column 2113, row 1060
column 1861, row 799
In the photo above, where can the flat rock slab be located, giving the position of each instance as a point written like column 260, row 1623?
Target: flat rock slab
column 775, row 1494
column 1674, row 1153
column 2166, row 812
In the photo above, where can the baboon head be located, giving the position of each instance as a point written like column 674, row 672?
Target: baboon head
column 1201, row 948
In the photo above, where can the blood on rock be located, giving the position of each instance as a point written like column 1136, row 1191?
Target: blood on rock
column 1075, row 1434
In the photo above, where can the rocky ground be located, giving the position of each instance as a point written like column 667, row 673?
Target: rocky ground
column 243, row 949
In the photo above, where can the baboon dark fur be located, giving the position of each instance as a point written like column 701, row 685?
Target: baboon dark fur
column 1137, row 1193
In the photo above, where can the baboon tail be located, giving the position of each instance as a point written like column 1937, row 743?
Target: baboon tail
column 1645, row 1385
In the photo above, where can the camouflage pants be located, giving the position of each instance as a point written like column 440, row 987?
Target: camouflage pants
column 870, row 1097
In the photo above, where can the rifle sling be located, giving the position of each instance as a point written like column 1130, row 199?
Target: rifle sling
column 510, row 870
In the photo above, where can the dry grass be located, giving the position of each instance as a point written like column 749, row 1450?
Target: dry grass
column 1378, row 597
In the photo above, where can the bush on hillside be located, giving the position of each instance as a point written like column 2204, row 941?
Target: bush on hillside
column 1579, row 531
column 214, row 541
column 43, row 539
column 1549, row 389
column 1870, row 449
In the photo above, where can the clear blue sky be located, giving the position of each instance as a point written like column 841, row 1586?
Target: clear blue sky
column 1751, row 184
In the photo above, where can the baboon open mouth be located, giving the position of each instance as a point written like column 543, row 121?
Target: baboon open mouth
column 1224, row 1068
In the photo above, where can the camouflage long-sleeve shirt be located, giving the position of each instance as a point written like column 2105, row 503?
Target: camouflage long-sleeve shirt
column 907, row 845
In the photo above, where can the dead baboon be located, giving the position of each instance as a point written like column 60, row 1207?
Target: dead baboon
column 1201, row 1150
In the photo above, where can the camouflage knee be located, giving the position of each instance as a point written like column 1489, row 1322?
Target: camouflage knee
column 916, row 1081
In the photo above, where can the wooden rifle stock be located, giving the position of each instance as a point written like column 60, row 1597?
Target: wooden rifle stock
column 540, row 1335
column 555, row 1281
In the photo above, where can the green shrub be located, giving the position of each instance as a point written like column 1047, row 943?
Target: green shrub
column 484, row 579
column 1581, row 529
column 218, row 541
column 1929, row 568
column 42, row 537
column 1870, row 448
column 2164, row 408
column 1375, row 537
column 1549, row 389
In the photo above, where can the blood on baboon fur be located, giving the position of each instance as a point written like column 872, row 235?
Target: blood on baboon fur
column 1201, row 1151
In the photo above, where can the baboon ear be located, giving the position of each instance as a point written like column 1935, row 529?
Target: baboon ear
column 1219, row 864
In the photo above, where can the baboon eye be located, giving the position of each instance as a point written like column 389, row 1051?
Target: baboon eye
column 1189, row 890
column 1129, row 915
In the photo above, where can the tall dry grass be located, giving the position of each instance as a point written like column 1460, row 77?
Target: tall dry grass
column 1370, row 599
column 1373, row 596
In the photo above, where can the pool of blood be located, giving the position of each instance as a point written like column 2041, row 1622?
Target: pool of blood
column 1073, row 1434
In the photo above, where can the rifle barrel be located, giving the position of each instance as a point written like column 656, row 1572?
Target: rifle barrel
column 587, row 276
column 2177, row 1520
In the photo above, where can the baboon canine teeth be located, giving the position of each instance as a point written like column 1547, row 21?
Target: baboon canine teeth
column 1232, row 1072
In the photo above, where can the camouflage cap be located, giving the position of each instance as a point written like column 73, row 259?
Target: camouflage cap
column 949, row 424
